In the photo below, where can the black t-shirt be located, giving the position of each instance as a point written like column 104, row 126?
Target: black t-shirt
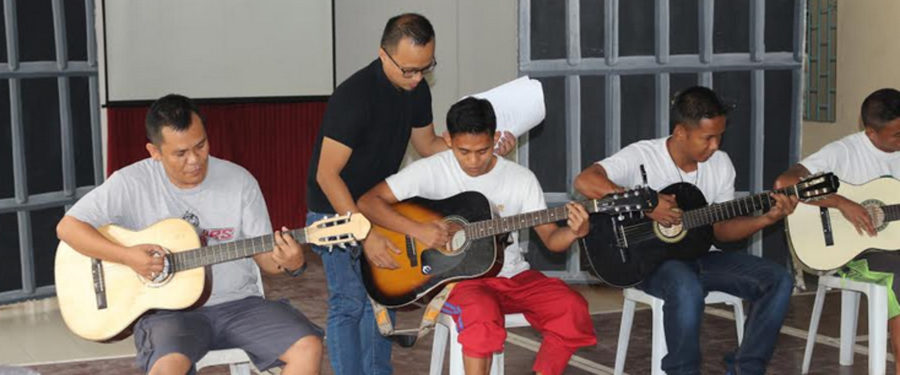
column 374, row 118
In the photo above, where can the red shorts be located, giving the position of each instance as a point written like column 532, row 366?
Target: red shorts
column 559, row 313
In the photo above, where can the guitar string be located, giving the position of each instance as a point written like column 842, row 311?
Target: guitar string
column 587, row 204
column 642, row 227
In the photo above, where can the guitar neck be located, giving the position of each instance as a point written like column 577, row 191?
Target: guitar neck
column 229, row 251
column 493, row 227
column 738, row 207
column 891, row 212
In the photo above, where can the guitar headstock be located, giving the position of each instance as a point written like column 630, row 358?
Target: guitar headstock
column 817, row 186
column 340, row 230
column 638, row 199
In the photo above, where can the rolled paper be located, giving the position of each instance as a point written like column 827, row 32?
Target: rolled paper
column 518, row 104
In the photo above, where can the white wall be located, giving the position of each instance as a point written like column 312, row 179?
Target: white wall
column 217, row 48
column 866, row 54
column 476, row 43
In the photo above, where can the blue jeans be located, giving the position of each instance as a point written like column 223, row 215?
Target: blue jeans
column 354, row 344
column 684, row 284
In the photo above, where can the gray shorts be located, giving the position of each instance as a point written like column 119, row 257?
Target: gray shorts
column 262, row 328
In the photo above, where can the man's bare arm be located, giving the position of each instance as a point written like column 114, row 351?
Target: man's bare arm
column 332, row 158
column 593, row 182
column 426, row 142
column 144, row 259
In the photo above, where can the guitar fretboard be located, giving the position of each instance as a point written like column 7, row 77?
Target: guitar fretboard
column 228, row 251
column 891, row 212
column 738, row 207
column 513, row 223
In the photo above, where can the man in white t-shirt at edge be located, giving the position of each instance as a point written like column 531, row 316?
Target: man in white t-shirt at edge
column 859, row 158
column 224, row 203
column 691, row 154
column 478, row 306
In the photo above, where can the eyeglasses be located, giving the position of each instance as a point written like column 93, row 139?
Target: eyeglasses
column 411, row 72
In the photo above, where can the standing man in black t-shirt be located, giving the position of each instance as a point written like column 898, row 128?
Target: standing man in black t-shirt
column 369, row 121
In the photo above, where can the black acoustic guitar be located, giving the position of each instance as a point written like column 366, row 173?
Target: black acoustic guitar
column 476, row 242
column 623, row 250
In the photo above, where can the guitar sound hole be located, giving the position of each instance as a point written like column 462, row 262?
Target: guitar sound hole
column 669, row 233
column 458, row 239
column 163, row 276
column 873, row 206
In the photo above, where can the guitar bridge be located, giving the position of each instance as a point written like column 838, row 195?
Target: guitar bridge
column 99, row 283
column 411, row 251
column 827, row 232
column 619, row 232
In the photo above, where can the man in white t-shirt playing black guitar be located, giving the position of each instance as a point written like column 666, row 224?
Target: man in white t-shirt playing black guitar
column 857, row 159
column 691, row 158
column 478, row 306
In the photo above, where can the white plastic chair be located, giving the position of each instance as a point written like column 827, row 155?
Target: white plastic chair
column 445, row 327
column 237, row 360
column 876, row 295
column 658, row 345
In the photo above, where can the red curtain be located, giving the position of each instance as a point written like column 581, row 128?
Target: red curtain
column 274, row 141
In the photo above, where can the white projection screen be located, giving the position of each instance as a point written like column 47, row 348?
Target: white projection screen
column 217, row 48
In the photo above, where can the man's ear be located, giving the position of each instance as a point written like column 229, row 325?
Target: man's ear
column 382, row 55
column 448, row 139
column 679, row 131
column 153, row 151
column 870, row 132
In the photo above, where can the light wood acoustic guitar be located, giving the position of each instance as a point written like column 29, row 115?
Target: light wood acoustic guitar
column 101, row 300
column 823, row 240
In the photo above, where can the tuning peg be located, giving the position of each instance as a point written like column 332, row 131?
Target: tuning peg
column 330, row 248
column 621, row 217
column 342, row 245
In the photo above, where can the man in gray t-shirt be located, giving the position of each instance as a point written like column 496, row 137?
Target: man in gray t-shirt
column 224, row 203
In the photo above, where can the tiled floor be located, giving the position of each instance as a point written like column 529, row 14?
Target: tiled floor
column 32, row 335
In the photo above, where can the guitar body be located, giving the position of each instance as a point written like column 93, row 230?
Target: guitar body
column 824, row 240
column 101, row 300
column 422, row 269
column 624, row 252
column 128, row 295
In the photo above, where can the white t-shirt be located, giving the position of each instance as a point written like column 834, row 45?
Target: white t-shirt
column 714, row 177
column 511, row 188
column 854, row 159
column 226, row 206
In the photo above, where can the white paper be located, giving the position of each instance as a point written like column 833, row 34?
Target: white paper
column 518, row 104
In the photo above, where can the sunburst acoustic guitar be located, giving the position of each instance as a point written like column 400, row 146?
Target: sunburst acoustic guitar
column 475, row 248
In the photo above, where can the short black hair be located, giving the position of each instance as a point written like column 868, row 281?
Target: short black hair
column 694, row 104
column 471, row 115
column 880, row 108
column 410, row 25
column 172, row 110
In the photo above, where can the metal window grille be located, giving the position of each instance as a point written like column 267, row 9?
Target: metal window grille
column 574, row 68
column 15, row 71
column 821, row 79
